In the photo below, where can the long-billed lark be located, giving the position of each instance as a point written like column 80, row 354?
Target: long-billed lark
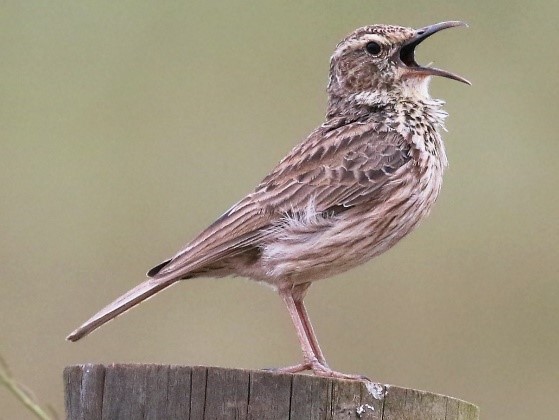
column 351, row 190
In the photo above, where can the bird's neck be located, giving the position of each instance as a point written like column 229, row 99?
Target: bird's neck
column 411, row 112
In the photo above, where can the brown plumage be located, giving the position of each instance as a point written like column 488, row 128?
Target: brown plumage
column 358, row 184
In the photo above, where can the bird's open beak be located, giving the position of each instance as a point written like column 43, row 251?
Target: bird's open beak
column 406, row 54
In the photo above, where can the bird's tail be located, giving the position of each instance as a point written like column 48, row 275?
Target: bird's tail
column 128, row 300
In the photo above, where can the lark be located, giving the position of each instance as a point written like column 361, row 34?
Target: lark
column 350, row 191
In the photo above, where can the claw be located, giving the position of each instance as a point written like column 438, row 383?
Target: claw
column 319, row 369
column 301, row 367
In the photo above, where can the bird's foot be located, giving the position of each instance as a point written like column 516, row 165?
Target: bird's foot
column 323, row 370
column 319, row 368
column 301, row 367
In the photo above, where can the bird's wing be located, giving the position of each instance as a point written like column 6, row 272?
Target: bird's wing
column 335, row 168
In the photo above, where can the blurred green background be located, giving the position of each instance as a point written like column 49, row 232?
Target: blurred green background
column 127, row 127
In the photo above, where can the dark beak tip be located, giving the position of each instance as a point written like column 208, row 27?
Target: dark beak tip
column 427, row 31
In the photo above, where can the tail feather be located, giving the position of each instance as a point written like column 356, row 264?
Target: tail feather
column 128, row 300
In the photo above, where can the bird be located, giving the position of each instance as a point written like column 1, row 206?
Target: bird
column 348, row 192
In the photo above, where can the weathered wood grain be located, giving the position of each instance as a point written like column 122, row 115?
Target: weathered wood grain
column 127, row 391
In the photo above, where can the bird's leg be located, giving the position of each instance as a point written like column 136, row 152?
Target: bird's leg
column 313, row 359
column 304, row 316
column 309, row 356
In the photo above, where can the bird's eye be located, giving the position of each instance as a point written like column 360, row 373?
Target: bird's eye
column 373, row 48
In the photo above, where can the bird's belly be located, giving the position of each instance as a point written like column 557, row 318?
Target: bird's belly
column 324, row 246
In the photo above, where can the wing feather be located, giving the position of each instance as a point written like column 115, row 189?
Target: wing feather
column 336, row 168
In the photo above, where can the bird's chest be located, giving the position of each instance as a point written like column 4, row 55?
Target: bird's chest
column 420, row 123
column 411, row 193
column 426, row 180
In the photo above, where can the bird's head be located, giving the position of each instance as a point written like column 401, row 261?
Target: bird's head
column 376, row 64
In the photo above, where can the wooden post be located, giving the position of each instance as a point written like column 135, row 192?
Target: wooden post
column 126, row 391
